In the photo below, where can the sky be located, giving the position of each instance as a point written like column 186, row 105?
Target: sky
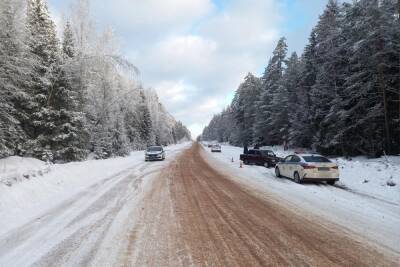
column 195, row 53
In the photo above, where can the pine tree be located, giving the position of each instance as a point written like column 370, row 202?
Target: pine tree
column 271, row 84
column 119, row 139
column 244, row 110
column 14, row 79
column 132, row 124
column 373, row 42
column 329, row 80
column 44, row 46
column 287, row 99
column 69, row 138
column 301, row 132
column 146, row 125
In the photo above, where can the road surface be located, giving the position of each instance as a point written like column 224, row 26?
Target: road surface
column 196, row 216
column 188, row 215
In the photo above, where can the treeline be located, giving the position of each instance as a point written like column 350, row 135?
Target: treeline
column 61, row 99
column 342, row 96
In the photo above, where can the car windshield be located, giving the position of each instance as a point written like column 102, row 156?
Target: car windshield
column 154, row 149
column 267, row 153
column 315, row 159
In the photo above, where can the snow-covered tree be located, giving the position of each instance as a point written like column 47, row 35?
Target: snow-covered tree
column 14, row 80
column 244, row 110
column 329, row 79
column 342, row 96
column 369, row 111
column 43, row 45
column 271, row 85
column 287, row 98
column 300, row 132
column 61, row 100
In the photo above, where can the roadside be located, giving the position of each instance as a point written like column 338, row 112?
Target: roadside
column 368, row 218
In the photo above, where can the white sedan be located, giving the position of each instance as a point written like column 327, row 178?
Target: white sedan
column 308, row 167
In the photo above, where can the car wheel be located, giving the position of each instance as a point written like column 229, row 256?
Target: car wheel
column 245, row 162
column 267, row 165
column 297, row 178
column 331, row 182
column 278, row 172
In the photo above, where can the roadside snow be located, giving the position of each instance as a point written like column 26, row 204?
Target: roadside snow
column 16, row 169
column 369, row 212
column 378, row 178
column 35, row 187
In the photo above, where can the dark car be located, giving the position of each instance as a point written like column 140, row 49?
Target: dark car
column 260, row 157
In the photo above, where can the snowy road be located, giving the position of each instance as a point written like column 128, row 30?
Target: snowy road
column 194, row 209
column 197, row 216
column 88, row 228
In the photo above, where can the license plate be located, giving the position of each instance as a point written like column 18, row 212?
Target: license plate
column 324, row 168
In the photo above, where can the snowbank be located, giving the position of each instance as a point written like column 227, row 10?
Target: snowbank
column 16, row 169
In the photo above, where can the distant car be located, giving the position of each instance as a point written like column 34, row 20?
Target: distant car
column 260, row 157
column 154, row 153
column 216, row 148
column 308, row 167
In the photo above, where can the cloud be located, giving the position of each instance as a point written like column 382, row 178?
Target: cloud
column 177, row 55
column 151, row 20
column 211, row 60
column 195, row 53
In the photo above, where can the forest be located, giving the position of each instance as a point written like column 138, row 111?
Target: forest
column 340, row 97
column 66, row 95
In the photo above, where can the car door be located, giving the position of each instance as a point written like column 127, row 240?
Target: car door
column 294, row 165
column 257, row 157
column 285, row 166
column 249, row 156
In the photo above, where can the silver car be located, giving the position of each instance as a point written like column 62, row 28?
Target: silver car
column 154, row 153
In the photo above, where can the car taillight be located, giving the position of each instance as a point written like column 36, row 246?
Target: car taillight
column 335, row 167
column 306, row 166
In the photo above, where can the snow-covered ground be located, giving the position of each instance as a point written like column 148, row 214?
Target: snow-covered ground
column 369, row 209
column 378, row 178
column 30, row 187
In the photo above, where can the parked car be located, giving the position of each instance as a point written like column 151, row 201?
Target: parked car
column 216, row 148
column 308, row 167
column 154, row 153
column 261, row 157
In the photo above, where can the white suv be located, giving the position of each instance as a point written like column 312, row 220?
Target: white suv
column 308, row 167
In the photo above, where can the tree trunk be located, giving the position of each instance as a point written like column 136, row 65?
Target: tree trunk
column 385, row 109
